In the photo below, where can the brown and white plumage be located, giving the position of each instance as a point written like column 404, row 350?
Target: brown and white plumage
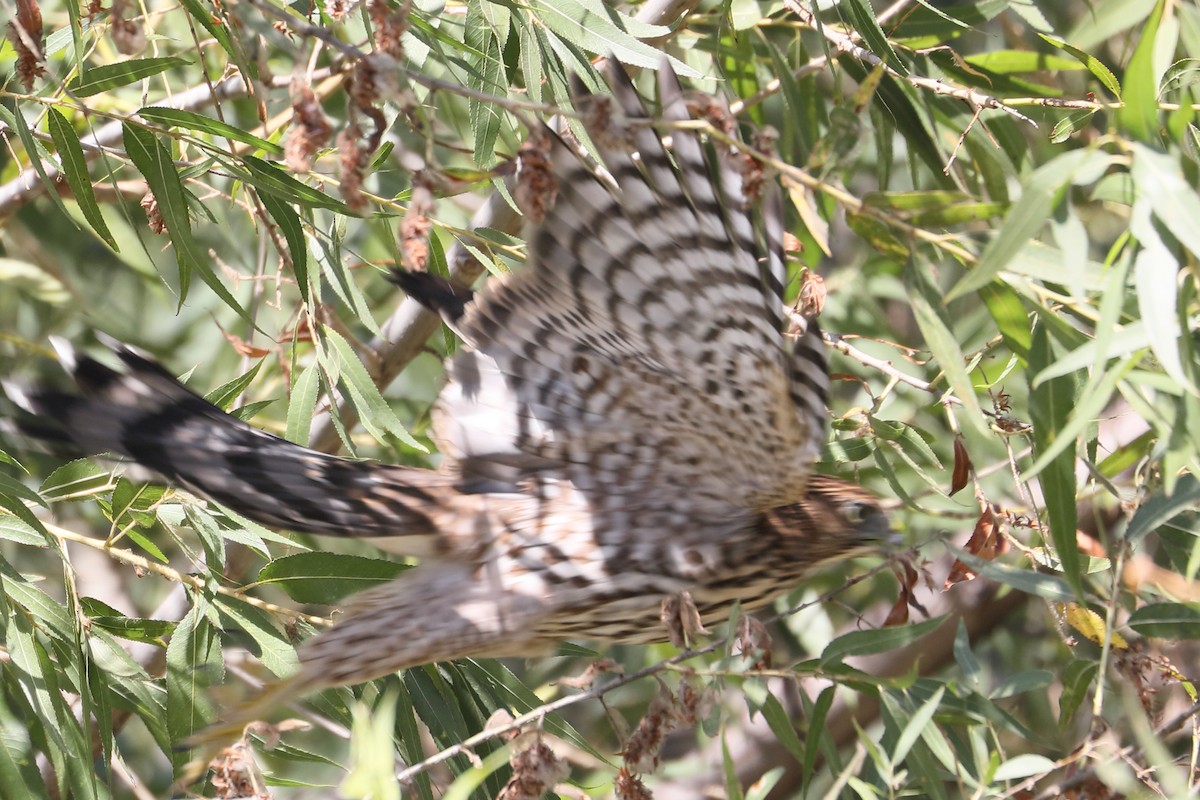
column 627, row 421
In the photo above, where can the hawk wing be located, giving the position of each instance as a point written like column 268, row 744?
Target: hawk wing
column 642, row 345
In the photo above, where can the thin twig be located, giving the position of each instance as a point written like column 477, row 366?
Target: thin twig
column 844, row 43
column 195, row 581
column 840, row 344
column 815, row 64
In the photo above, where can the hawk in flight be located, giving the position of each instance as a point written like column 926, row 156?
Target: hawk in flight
column 631, row 419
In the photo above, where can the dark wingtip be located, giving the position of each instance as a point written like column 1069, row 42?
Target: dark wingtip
column 439, row 295
column 580, row 93
column 35, row 416
column 92, row 376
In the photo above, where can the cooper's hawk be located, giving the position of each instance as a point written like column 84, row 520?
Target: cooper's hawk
column 627, row 421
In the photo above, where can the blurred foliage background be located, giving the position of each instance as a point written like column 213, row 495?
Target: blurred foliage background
column 1000, row 197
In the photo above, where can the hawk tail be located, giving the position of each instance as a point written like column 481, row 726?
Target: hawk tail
column 144, row 415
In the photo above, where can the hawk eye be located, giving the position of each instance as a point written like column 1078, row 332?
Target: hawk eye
column 858, row 511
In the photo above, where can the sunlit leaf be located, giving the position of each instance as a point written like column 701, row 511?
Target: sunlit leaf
column 1093, row 64
column 111, row 76
column 326, row 578
column 1167, row 621
column 1050, row 407
column 1138, row 113
column 74, row 167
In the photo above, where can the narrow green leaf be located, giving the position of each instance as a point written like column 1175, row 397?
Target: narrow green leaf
column 224, row 395
column 205, row 18
column 1068, row 125
column 15, row 530
column 1162, row 508
column 410, row 736
column 18, row 760
column 341, row 279
column 942, row 343
column 270, row 178
column 1173, row 199
column 1040, row 584
column 852, row 448
column 111, row 76
column 471, row 779
column 289, row 223
column 327, row 578
column 147, row 545
column 927, row 774
column 435, row 705
column 376, row 415
column 513, row 694
column 190, row 120
column 131, row 502
column 1093, row 64
column 928, row 24
column 761, row 788
column 1082, row 415
column 487, row 77
column 74, row 167
column 531, row 63
column 1167, row 621
column 1127, row 455
column 817, row 734
column 236, row 528
column 1155, row 277
column 916, row 725
column 274, row 650
column 590, row 25
column 1050, row 406
column 11, row 493
column 28, row 658
column 935, row 207
column 1006, row 62
column 194, row 664
column 863, row 643
column 879, row 235
column 911, row 440
column 889, row 474
column 304, row 401
column 1139, row 112
column 154, row 162
column 53, row 617
column 35, row 152
column 1026, row 217
column 781, row 725
column 1023, row 682
column 73, row 480
column 34, row 281
column 863, row 20
column 209, row 533
column 1077, row 681
column 249, row 411
column 370, row 773
column 1108, row 329
column 1010, row 316
column 733, row 786
column 145, row 631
